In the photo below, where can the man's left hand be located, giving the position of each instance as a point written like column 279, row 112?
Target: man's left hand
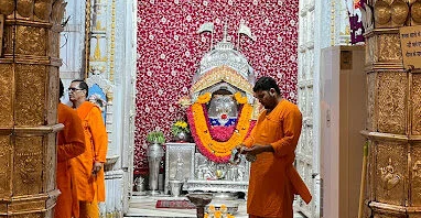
column 97, row 167
column 257, row 149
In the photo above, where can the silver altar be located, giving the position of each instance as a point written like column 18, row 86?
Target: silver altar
column 202, row 175
column 226, row 76
column 175, row 151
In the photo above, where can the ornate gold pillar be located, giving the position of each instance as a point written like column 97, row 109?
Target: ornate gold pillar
column 394, row 114
column 29, row 72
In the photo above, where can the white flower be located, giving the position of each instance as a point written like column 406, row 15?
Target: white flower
column 292, row 22
column 173, row 73
column 255, row 2
column 280, row 75
column 176, row 2
column 205, row 3
column 147, row 110
column 149, row 73
column 171, row 109
column 217, row 21
column 160, row 92
column 292, row 58
column 152, row 1
column 267, row 21
column 267, row 58
column 151, row 37
column 230, row 2
column 162, row 56
column 176, row 37
column 291, row 95
column 185, row 89
column 280, row 39
column 163, row 20
column 280, row 2
column 187, row 54
column 203, row 39
column 188, row 18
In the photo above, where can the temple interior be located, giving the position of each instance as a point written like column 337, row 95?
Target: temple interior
column 174, row 82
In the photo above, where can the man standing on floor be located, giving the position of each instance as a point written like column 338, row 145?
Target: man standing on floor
column 89, row 166
column 272, row 142
column 70, row 143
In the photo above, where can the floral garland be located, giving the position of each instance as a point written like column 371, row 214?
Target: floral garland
column 217, row 151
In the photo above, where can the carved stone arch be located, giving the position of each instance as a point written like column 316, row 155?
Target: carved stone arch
column 103, row 83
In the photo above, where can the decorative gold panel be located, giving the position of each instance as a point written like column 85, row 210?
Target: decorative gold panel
column 25, row 205
column 50, row 159
column 6, row 90
column 31, row 40
column 392, row 173
column 392, row 102
column 30, row 94
column 416, row 104
column 384, row 215
column 389, row 48
column 25, row 7
column 28, row 162
column 371, row 53
column 5, row 171
column 7, row 6
column 42, row 9
column 53, row 89
column 54, row 51
column 1, row 33
column 400, row 12
column 416, row 174
column 382, row 12
column 7, row 40
column 416, row 12
column 32, row 215
column 371, row 170
column 371, row 101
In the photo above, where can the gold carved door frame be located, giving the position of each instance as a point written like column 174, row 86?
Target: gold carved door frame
column 29, row 81
column 393, row 128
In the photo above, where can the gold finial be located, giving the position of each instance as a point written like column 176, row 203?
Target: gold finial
column 97, row 54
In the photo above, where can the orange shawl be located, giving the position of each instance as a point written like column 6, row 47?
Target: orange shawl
column 96, row 144
column 273, row 179
column 70, row 143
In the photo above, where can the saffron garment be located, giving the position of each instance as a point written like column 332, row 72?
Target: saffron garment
column 70, row 143
column 273, row 179
column 91, row 186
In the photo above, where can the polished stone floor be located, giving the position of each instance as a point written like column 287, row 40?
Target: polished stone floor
column 144, row 206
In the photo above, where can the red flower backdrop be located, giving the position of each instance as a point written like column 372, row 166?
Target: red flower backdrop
column 169, row 51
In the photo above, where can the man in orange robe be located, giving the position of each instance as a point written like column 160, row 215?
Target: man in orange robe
column 71, row 143
column 273, row 179
column 89, row 166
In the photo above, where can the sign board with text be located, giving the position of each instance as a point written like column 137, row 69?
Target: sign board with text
column 411, row 46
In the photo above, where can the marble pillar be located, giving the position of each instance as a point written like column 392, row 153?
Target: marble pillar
column 29, row 80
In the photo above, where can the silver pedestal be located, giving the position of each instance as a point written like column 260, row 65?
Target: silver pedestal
column 155, row 154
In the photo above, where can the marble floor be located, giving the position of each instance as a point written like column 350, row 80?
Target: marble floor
column 144, row 206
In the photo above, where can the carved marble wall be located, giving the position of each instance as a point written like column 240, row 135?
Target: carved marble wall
column 29, row 64
column 109, row 65
column 323, row 23
column 393, row 181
